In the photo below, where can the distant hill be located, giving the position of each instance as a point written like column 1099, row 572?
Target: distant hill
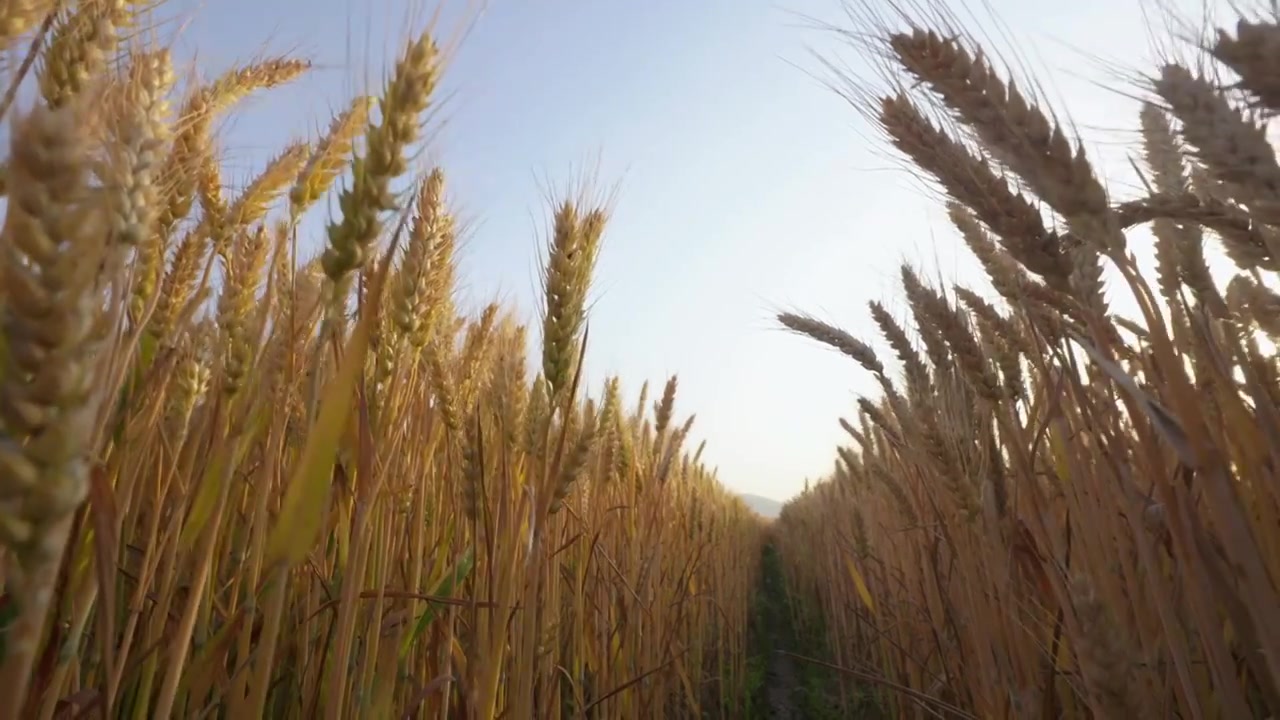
column 767, row 507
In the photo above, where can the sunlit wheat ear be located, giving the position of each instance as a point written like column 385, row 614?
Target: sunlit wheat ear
column 213, row 201
column 638, row 413
column 987, row 314
column 1260, row 303
column 191, row 379
column 967, row 351
column 1254, row 53
column 853, row 432
column 647, row 448
column 1179, row 245
column 665, row 407
column 570, row 262
column 19, row 16
column 697, row 453
column 610, row 411
column 537, row 413
column 972, row 182
column 283, row 272
column 576, row 461
column 877, row 418
column 946, row 466
column 236, row 84
column 407, row 94
column 140, row 133
column 329, row 157
column 80, row 48
column 672, row 451
column 610, row 403
column 923, row 302
column 623, row 456
column 444, row 387
column 51, row 247
column 1002, row 270
column 472, row 467
column 254, row 201
column 476, row 359
column 917, row 373
column 1232, row 147
column 190, row 150
column 833, row 336
column 510, row 383
column 1017, row 132
column 1001, row 338
column 1008, row 279
column 847, row 464
column 890, row 481
column 191, row 142
column 425, row 273
column 294, row 319
column 179, row 284
column 439, row 276
column 865, row 424
column 236, row 304
column 384, row 346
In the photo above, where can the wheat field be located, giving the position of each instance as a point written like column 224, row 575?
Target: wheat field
column 237, row 480
column 1052, row 510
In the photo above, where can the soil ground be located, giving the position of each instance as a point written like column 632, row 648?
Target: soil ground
column 786, row 688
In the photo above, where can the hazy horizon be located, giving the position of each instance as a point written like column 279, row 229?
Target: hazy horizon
column 743, row 185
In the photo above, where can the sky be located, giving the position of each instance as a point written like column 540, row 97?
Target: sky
column 743, row 184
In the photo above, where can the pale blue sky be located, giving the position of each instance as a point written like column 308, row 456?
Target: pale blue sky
column 743, row 185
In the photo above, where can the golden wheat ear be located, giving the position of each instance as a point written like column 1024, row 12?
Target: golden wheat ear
column 406, row 95
column 52, row 325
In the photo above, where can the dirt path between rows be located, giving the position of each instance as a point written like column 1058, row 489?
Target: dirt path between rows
column 778, row 695
column 788, row 687
column 780, row 677
column 780, row 684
